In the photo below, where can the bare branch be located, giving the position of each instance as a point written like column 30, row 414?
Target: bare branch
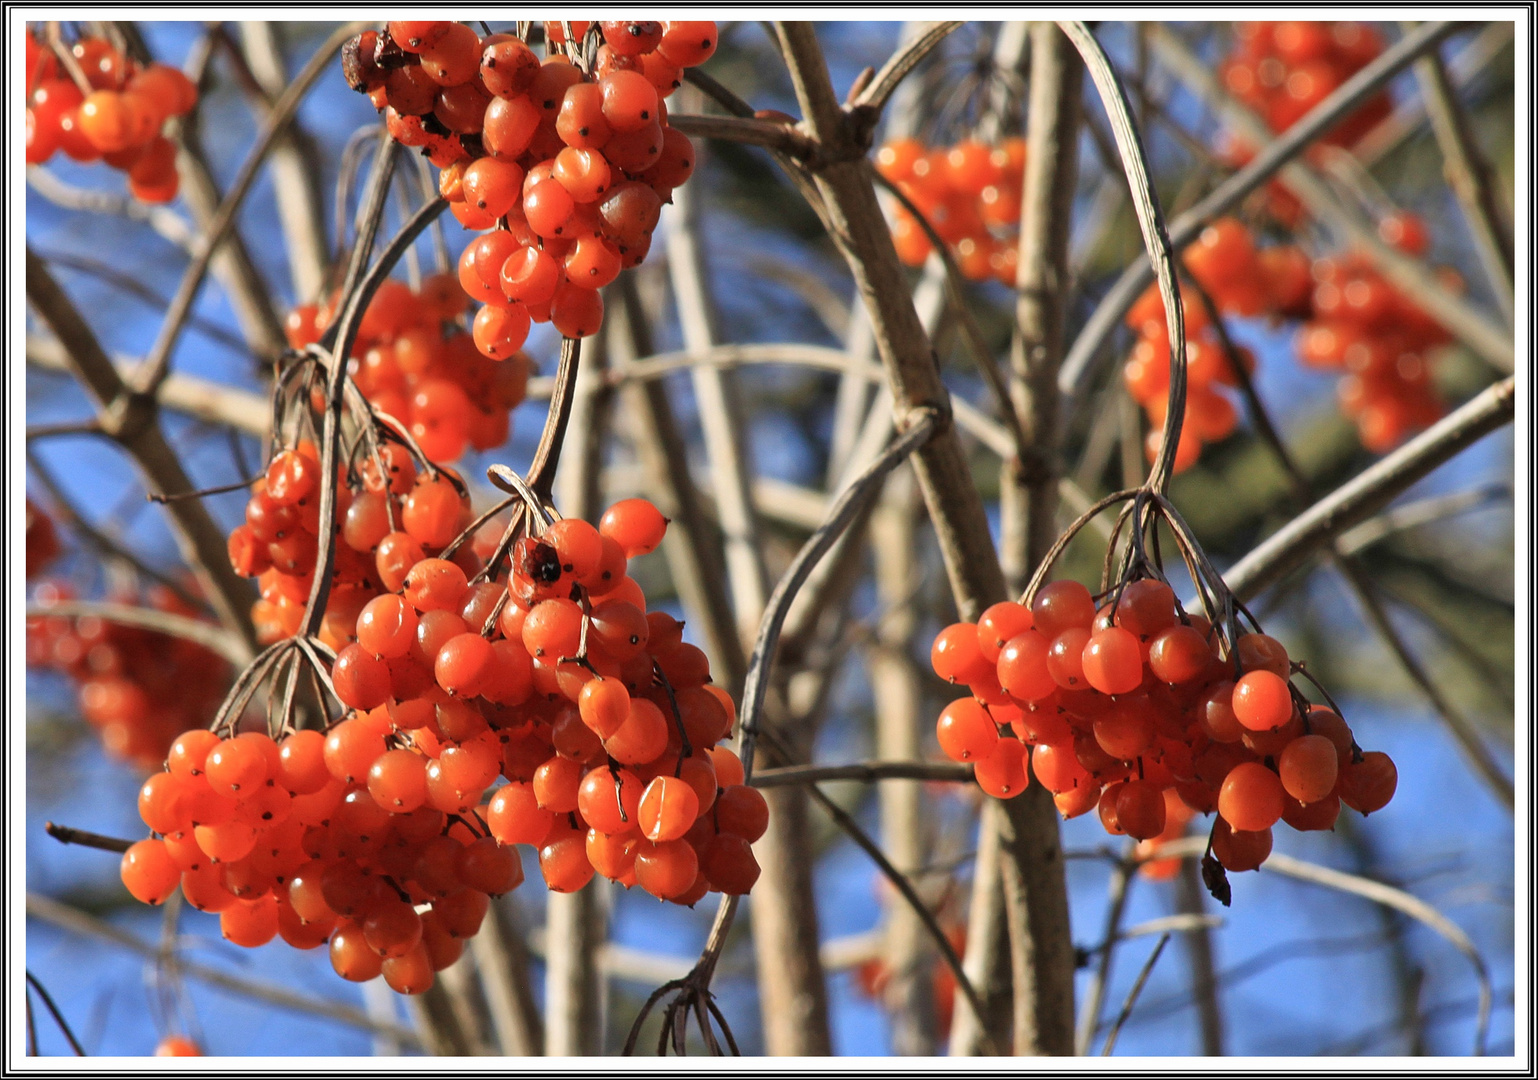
column 296, row 183
column 775, row 135
column 901, row 63
column 1356, row 576
column 1409, row 114
column 198, row 398
column 1371, row 490
column 211, row 637
column 170, row 225
column 694, row 559
column 905, row 887
column 1412, row 515
column 1413, row 906
column 130, row 419
column 58, row 1017
column 158, row 361
column 844, row 510
column 860, row 231
column 69, row 516
column 720, row 419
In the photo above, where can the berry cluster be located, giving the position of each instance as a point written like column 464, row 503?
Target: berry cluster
column 969, row 193
column 1134, row 709
column 1242, row 280
column 138, row 688
column 383, row 528
column 567, row 160
column 414, row 362
column 1283, row 69
column 1361, row 325
column 116, row 117
column 377, row 836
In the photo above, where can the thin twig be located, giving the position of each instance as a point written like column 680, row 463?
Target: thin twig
column 1413, row 906
column 58, row 1017
column 905, row 887
column 843, row 511
column 1413, row 515
column 1470, row 176
column 864, row 772
column 66, row 835
column 1133, row 995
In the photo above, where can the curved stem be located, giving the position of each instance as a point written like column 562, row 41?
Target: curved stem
column 1145, row 201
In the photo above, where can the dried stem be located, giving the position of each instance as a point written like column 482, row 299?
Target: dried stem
column 66, row 835
column 1161, row 253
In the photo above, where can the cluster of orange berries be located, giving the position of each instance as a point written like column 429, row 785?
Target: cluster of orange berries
column 1241, row 279
column 1134, row 710
column 1364, row 327
column 414, row 362
column 116, row 118
column 969, row 193
column 1283, row 69
column 567, row 160
column 138, row 688
column 378, row 835
column 1352, row 321
column 387, row 524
